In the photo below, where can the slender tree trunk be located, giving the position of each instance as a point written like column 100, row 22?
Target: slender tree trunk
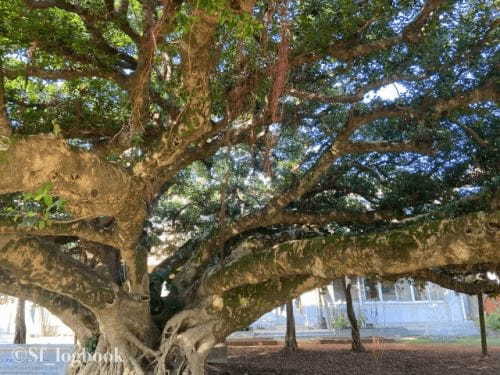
column 322, row 319
column 484, row 344
column 291, row 337
column 327, row 303
column 20, row 330
column 357, row 346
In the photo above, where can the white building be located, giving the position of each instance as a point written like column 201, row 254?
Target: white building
column 39, row 322
column 389, row 307
column 414, row 310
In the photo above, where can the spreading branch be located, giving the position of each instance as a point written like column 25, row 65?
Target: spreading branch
column 193, row 123
column 92, row 188
column 407, row 250
column 385, row 147
column 71, row 312
column 36, row 262
column 119, row 17
column 456, row 284
column 81, row 229
column 348, row 50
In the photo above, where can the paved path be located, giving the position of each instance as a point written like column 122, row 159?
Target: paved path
column 45, row 359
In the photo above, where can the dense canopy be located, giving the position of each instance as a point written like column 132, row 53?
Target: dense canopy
column 248, row 150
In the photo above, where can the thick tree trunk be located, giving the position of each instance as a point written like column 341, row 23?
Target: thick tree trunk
column 125, row 344
column 20, row 331
column 129, row 343
column 357, row 346
column 291, row 337
column 189, row 336
column 113, row 352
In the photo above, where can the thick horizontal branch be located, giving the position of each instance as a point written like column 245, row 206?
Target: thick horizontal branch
column 486, row 92
column 71, row 313
column 80, row 229
column 466, row 240
column 241, row 306
column 36, row 262
column 343, row 146
column 273, row 212
column 454, row 283
column 91, row 187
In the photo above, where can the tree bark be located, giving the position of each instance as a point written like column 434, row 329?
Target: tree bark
column 482, row 325
column 71, row 313
column 20, row 332
column 357, row 345
column 427, row 244
column 125, row 344
column 291, row 337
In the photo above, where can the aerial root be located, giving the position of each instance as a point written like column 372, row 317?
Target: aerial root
column 132, row 339
column 132, row 361
column 171, row 341
column 187, row 338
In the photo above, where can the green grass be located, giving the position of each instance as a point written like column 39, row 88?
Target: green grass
column 465, row 341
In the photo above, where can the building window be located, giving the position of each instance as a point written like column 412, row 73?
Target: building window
column 420, row 291
column 388, row 291
column 338, row 291
column 371, row 290
column 355, row 285
column 403, row 290
column 436, row 293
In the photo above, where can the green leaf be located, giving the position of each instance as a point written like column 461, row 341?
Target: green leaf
column 48, row 201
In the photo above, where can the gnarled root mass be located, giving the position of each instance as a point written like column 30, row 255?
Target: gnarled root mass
column 187, row 338
column 185, row 343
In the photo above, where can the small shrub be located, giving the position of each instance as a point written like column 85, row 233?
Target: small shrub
column 493, row 321
column 340, row 322
column 91, row 344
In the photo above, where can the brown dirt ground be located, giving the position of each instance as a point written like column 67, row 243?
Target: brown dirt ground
column 381, row 359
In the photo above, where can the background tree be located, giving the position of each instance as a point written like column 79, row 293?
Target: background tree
column 20, row 328
column 472, row 280
column 357, row 345
column 290, row 336
column 260, row 149
column 482, row 325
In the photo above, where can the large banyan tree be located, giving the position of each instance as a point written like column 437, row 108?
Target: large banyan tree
column 255, row 149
